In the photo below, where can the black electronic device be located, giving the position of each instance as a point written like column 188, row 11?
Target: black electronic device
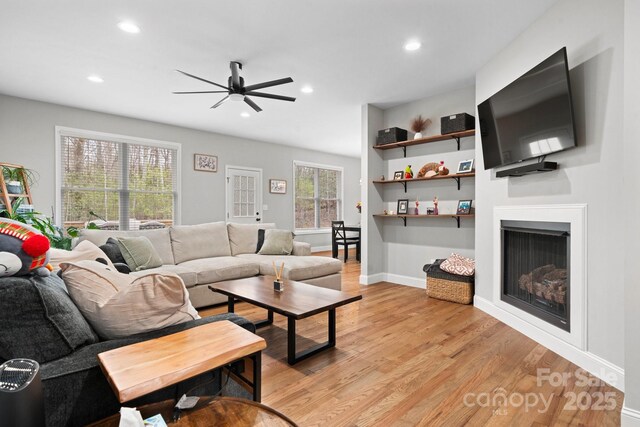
column 21, row 403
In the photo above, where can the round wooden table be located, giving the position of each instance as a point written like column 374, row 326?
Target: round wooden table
column 212, row 411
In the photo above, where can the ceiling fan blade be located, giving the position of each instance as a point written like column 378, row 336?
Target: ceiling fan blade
column 269, row 84
column 271, row 96
column 202, row 80
column 222, row 101
column 252, row 104
column 204, row 91
column 235, row 75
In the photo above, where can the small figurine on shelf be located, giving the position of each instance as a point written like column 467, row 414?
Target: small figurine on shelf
column 408, row 173
column 359, row 207
column 435, row 205
column 442, row 169
column 381, row 177
column 417, row 212
column 385, row 212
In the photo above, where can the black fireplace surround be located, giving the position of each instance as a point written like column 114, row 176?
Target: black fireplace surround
column 535, row 269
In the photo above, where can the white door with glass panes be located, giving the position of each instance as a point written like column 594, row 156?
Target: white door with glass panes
column 244, row 195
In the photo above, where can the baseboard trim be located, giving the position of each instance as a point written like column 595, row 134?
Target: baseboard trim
column 629, row 417
column 594, row 364
column 392, row 278
column 320, row 248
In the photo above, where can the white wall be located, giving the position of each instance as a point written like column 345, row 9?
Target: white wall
column 408, row 248
column 591, row 173
column 27, row 138
column 631, row 181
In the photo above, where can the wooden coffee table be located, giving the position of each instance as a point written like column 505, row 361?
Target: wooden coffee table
column 212, row 411
column 297, row 301
column 141, row 368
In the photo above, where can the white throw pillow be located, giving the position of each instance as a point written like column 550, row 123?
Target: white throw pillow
column 84, row 251
column 277, row 242
column 119, row 305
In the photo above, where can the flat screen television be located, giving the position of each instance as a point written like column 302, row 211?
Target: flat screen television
column 531, row 117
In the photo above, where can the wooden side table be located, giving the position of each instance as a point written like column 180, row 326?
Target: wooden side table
column 212, row 411
column 142, row 368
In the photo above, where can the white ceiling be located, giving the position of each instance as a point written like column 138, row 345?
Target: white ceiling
column 350, row 51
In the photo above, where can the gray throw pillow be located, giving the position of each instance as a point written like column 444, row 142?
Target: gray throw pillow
column 139, row 253
column 277, row 242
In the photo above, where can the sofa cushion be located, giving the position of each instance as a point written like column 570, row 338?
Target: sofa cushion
column 39, row 321
column 112, row 250
column 119, row 305
column 296, row 268
column 85, row 250
column 138, row 252
column 217, row 269
column 199, row 241
column 160, row 239
column 277, row 242
column 243, row 238
column 187, row 275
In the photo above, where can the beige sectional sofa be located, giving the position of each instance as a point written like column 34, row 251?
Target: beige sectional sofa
column 213, row 252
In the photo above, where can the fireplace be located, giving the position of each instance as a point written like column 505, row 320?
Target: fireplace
column 535, row 269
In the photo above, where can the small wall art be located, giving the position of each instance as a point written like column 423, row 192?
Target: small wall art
column 278, row 186
column 205, row 162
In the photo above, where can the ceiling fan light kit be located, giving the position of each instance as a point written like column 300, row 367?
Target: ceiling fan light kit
column 237, row 91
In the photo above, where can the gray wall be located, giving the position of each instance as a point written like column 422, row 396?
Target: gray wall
column 405, row 250
column 591, row 173
column 632, row 188
column 27, row 138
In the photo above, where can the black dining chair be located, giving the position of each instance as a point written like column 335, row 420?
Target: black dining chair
column 339, row 238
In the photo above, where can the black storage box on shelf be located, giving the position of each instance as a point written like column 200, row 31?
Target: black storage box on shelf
column 391, row 135
column 457, row 123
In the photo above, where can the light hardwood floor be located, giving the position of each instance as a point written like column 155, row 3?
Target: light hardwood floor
column 403, row 359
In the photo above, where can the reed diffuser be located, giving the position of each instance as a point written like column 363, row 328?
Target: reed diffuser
column 278, row 284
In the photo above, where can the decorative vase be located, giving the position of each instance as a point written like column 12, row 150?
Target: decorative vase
column 418, row 135
column 14, row 187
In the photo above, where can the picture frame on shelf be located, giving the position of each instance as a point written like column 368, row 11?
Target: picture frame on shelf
column 205, row 162
column 464, row 207
column 398, row 175
column 403, row 206
column 465, row 166
column 278, row 186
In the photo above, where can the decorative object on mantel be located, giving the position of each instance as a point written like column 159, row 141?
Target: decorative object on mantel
column 419, row 124
column 403, row 206
column 398, row 175
column 359, row 207
column 205, row 162
column 435, row 205
column 464, row 207
column 408, row 173
column 442, row 169
column 416, row 210
column 428, row 170
column 277, row 186
column 465, row 166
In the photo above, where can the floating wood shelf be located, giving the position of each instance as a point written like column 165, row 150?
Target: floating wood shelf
column 404, row 217
column 455, row 176
column 426, row 140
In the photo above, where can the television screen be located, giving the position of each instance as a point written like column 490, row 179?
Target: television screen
column 531, row 117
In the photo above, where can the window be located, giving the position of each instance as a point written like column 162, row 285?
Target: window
column 318, row 195
column 123, row 181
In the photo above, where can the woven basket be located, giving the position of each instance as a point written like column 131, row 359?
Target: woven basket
column 448, row 287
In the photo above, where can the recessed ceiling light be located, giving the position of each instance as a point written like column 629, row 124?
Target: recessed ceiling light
column 306, row 89
column 95, row 79
column 412, row 45
column 245, row 114
column 129, row 27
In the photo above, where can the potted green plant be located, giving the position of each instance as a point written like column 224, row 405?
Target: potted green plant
column 13, row 178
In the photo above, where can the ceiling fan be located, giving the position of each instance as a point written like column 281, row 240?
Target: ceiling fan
column 237, row 91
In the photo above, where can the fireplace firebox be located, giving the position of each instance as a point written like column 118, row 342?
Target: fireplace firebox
column 535, row 269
